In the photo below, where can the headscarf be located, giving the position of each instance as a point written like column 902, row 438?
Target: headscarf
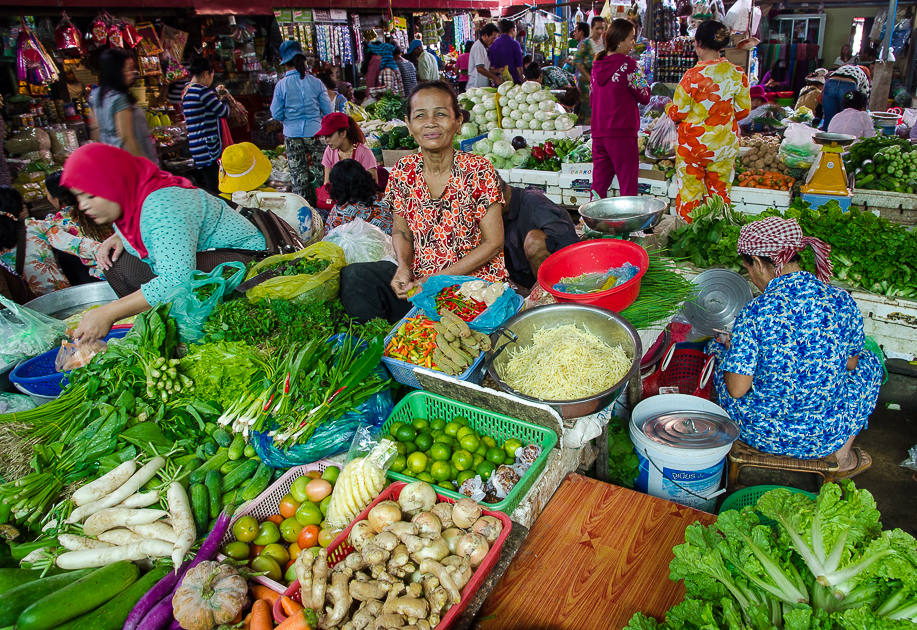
column 780, row 240
column 114, row 174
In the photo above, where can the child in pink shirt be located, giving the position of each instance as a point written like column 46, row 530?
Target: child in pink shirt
column 345, row 140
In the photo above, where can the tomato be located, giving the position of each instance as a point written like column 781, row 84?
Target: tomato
column 294, row 551
column 289, row 529
column 288, row 506
column 318, row 489
column 326, row 537
column 245, row 529
column 314, row 474
column 308, row 537
column 298, row 489
column 278, row 552
column 276, row 519
column 255, row 551
column 266, row 563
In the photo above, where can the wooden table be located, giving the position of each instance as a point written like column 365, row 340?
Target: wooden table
column 596, row 555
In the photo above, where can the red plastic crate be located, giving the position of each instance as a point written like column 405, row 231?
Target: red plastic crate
column 340, row 549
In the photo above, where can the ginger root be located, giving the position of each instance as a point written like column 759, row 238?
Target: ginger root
column 445, row 579
column 339, row 595
column 319, row 580
column 303, row 569
column 367, row 590
column 366, row 614
column 390, row 621
column 386, row 540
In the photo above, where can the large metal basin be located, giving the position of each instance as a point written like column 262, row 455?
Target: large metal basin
column 623, row 215
column 607, row 325
column 66, row 302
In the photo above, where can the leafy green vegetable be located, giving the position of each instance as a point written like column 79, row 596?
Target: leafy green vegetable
column 219, row 367
column 623, row 463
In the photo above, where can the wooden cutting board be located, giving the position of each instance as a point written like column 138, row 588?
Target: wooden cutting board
column 596, row 555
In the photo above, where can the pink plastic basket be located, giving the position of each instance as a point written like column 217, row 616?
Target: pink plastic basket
column 340, row 549
column 267, row 504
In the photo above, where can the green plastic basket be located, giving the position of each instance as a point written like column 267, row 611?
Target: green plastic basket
column 749, row 496
column 421, row 404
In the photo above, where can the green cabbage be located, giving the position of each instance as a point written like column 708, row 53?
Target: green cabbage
column 503, row 148
column 469, row 130
column 482, row 147
column 496, row 134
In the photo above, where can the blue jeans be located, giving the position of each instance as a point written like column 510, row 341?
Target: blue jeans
column 832, row 99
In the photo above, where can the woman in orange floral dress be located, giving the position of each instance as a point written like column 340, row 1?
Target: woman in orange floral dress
column 708, row 103
column 447, row 212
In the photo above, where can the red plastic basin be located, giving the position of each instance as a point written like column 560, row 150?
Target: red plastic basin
column 595, row 255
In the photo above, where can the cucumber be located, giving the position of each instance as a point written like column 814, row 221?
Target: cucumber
column 194, row 464
column 278, row 473
column 210, row 427
column 229, row 498
column 11, row 578
column 212, row 483
column 258, row 483
column 249, row 451
column 185, row 460
column 200, row 506
column 237, row 448
column 235, row 478
column 111, row 616
column 230, row 466
column 222, row 437
column 15, row 600
column 213, row 463
column 78, row 598
column 211, row 448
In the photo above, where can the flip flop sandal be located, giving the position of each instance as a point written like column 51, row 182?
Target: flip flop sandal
column 864, row 462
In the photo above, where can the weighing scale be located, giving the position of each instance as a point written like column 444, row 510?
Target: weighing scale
column 827, row 179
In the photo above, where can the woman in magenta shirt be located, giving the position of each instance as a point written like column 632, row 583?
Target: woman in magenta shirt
column 618, row 85
column 345, row 140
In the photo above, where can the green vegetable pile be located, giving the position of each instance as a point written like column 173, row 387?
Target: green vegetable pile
column 623, row 463
column 823, row 565
column 389, row 107
column 884, row 163
column 710, row 239
column 304, row 266
column 663, row 291
column 399, row 138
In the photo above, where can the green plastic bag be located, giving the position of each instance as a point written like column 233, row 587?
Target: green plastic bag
column 193, row 301
column 321, row 286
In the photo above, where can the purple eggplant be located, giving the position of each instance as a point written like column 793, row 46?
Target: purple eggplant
column 159, row 617
column 175, row 625
column 160, row 591
column 211, row 546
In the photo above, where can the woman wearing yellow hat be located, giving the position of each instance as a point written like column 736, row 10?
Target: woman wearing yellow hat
column 243, row 168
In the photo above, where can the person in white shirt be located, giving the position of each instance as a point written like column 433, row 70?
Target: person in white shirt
column 853, row 119
column 479, row 72
column 427, row 67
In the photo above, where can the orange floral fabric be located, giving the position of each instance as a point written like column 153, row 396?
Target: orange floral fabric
column 445, row 230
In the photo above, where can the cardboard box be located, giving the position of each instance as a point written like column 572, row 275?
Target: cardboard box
column 646, row 173
column 389, row 158
column 741, row 58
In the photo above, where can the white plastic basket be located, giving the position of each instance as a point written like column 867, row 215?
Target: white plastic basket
column 267, row 504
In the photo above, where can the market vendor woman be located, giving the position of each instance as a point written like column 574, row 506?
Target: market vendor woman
column 446, row 206
column 164, row 227
column 795, row 375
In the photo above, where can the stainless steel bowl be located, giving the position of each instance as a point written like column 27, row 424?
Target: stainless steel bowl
column 622, row 215
column 607, row 325
column 64, row 303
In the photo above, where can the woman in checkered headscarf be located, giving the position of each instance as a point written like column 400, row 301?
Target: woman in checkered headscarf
column 795, row 374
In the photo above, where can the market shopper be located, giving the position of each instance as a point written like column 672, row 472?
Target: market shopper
column 534, row 227
column 345, row 140
column 618, row 86
column 853, row 119
column 551, row 77
column 12, row 286
column 591, row 38
column 845, row 79
column 794, row 374
column 338, row 102
column 480, row 73
column 506, row 54
column 427, row 66
column 461, row 66
column 708, row 103
column 244, row 168
column 777, row 79
column 164, row 229
column 407, row 70
column 204, row 108
column 845, row 57
column 446, row 208
column 354, row 193
column 811, row 95
column 300, row 101
column 116, row 118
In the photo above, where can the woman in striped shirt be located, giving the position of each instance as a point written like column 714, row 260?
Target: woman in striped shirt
column 203, row 110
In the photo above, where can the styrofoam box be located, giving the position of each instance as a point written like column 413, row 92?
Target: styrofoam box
column 580, row 182
column 544, row 178
column 578, row 169
column 515, row 176
column 779, row 199
column 505, row 173
column 575, row 198
column 553, row 190
column 750, row 208
column 558, row 199
column 883, row 199
column 656, row 187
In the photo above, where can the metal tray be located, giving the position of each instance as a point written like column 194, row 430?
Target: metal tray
column 66, row 302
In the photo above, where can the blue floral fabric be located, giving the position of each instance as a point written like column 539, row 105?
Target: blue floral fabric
column 795, row 340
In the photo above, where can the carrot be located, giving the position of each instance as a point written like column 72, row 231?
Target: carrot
column 237, row 619
column 264, row 593
column 289, row 606
column 296, row 621
column 261, row 616
column 247, row 622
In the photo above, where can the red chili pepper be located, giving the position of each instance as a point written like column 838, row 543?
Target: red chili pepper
column 268, row 405
column 286, row 385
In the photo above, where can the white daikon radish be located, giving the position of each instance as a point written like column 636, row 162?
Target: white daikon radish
column 121, row 537
column 182, row 522
column 130, row 487
column 140, row 500
column 78, row 543
column 158, row 529
column 111, row 518
column 104, row 485
column 89, row 558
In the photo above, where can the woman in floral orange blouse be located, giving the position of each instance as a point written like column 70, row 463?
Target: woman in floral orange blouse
column 447, row 210
column 708, row 103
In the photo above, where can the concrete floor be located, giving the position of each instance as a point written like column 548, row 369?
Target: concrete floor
column 887, row 440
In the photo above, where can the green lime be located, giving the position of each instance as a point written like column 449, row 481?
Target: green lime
column 448, row 485
column 463, row 432
column 489, row 441
column 441, row 452
column 495, row 455
column 461, row 420
column 509, row 461
column 437, row 433
column 485, row 469
column 440, row 471
column 429, row 465
column 510, row 446
column 464, row 476
column 425, row 431
column 470, row 443
column 393, row 430
column 482, row 450
column 438, row 425
column 401, row 448
column 444, row 439
column 425, row 476
column 417, row 462
column 406, row 434
column 399, row 464
column 420, row 423
column 424, row 441
column 478, row 458
column 409, row 447
column 331, row 474
column 462, row 460
column 453, row 471
column 452, row 428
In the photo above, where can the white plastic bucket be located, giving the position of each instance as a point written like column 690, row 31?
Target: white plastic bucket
column 689, row 476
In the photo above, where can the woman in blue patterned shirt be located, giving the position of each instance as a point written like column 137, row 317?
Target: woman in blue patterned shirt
column 794, row 374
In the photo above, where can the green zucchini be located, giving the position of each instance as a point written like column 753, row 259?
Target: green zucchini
column 112, row 615
column 249, row 451
column 222, row 437
column 235, row 478
column 210, row 427
column 78, row 598
column 258, row 483
column 11, row 578
column 212, row 483
column 230, row 466
column 237, row 448
column 200, row 506
column 214, row 463
column 15, row 600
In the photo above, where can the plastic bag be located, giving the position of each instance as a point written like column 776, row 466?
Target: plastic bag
column 663, row 140
column 737, row 17
column 26, row 333
column 797, row 149
column 657, row 104
column 15, row 403
column 487, row 322
column 317, row 287
column 596, row 281
column 362, row 242
column 76, row 355
column 193, row 301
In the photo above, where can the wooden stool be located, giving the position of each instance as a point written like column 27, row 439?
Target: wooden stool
column 743, row 455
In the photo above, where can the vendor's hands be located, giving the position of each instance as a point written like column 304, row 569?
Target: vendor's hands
column 402, row 282
column 95, row 324
column 109, row 252
column 724, row 337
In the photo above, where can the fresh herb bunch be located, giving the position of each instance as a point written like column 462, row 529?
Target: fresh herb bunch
column 710, row 239
column 389, row 107
column 304, row 266
column 663, row 291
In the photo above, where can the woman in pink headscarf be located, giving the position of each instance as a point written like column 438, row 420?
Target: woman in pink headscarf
column 794, row 373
